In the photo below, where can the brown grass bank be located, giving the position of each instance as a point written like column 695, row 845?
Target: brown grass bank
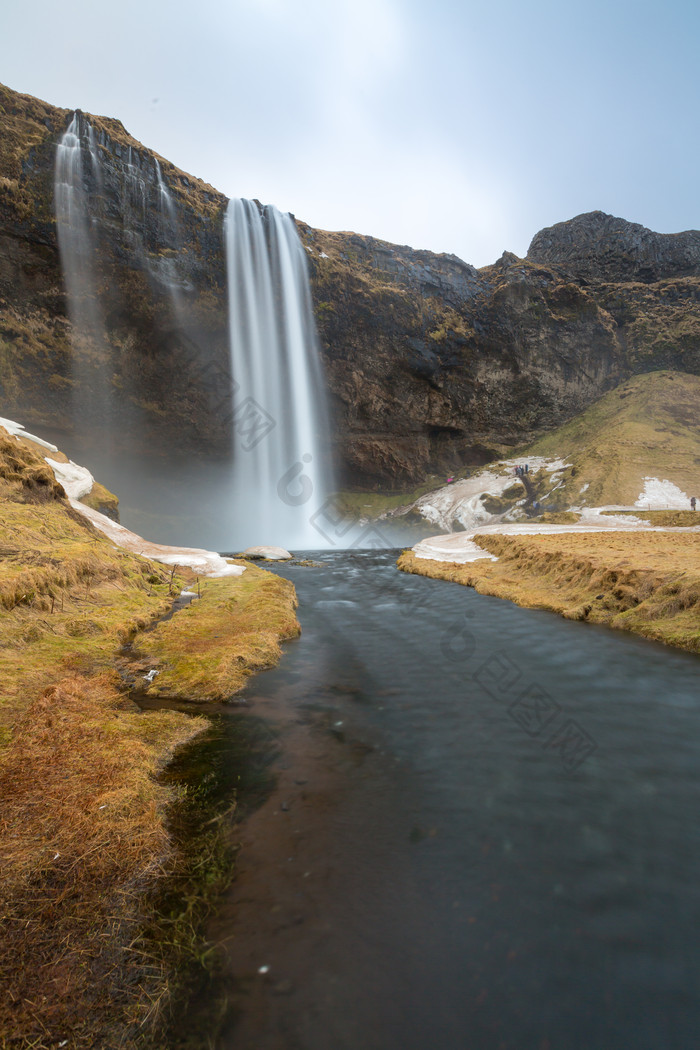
column 209, row 649
column 645, row 582
column 665, row 519
column 84, row 839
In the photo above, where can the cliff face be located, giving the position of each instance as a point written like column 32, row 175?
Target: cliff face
column 430, row 363
column 155, row 360
column 433, row 365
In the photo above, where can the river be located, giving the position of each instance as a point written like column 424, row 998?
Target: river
column 483, row 833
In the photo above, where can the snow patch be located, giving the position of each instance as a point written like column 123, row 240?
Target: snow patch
column 77, row 481
column 206, row 563
column 463, row 501
column 556, row 464
column 661, row 495
column 460, row 550
column 17, row 430
column 535, row 463
column 270, row 553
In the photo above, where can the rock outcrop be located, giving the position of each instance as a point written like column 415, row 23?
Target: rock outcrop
column 431, row 364
column 600, row 247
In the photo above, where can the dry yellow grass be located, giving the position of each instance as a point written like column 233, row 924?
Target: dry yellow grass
column 83, row 835
column 665, row 519
column 209, row 650
column 648, row 583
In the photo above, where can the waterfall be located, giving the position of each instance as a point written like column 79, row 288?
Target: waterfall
column 73, row 228
column 95, row 158
column 78, row 260
column 169, row 238
column 279, row 419
column 165, row 201
column 135, row 186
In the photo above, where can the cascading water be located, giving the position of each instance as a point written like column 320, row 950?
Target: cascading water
column 73, row 226
column 281, row 477
column 279, row 418
column 169, row 237
column 78, row 257
column 135, row 185
column 95, row 158
column 165, row 201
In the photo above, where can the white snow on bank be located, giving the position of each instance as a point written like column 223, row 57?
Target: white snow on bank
column 463, row 501
column 604, row 516
column 205, row 563
column 269, row 553
column 17, row 430
column 458, row 547
column 77, row 481
column 660, row 495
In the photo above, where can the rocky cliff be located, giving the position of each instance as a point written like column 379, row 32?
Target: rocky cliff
column 434, row 365
column 159, row 344
column 430, row 363
column 596, row 246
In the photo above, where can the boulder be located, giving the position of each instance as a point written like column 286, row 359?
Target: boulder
column 267, row 553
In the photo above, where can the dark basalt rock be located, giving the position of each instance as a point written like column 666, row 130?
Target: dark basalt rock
column 430, row 363
column 602, row 247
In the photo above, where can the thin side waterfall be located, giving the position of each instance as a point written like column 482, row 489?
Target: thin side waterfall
column 75, row 240
column 165, row 201
column 78, row 260
column 135, row 195
column 95, row 158
column 169, row 237
column 279, row 417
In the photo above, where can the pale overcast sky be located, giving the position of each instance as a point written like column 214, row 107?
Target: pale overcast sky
column 461, row 127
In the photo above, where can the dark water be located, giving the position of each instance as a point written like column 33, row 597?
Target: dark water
column 517, row 862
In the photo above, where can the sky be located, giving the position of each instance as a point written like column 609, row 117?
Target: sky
column 460, row 127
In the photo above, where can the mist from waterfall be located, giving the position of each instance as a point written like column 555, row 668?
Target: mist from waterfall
column 281, row 476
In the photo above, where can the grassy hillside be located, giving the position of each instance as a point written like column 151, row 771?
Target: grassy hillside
column 84, row 836
column 648, row 426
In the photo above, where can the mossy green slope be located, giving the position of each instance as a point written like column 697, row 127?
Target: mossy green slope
column 647, row 427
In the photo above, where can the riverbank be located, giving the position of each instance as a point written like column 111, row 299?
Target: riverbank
column 647, row 582
column 85, row 834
